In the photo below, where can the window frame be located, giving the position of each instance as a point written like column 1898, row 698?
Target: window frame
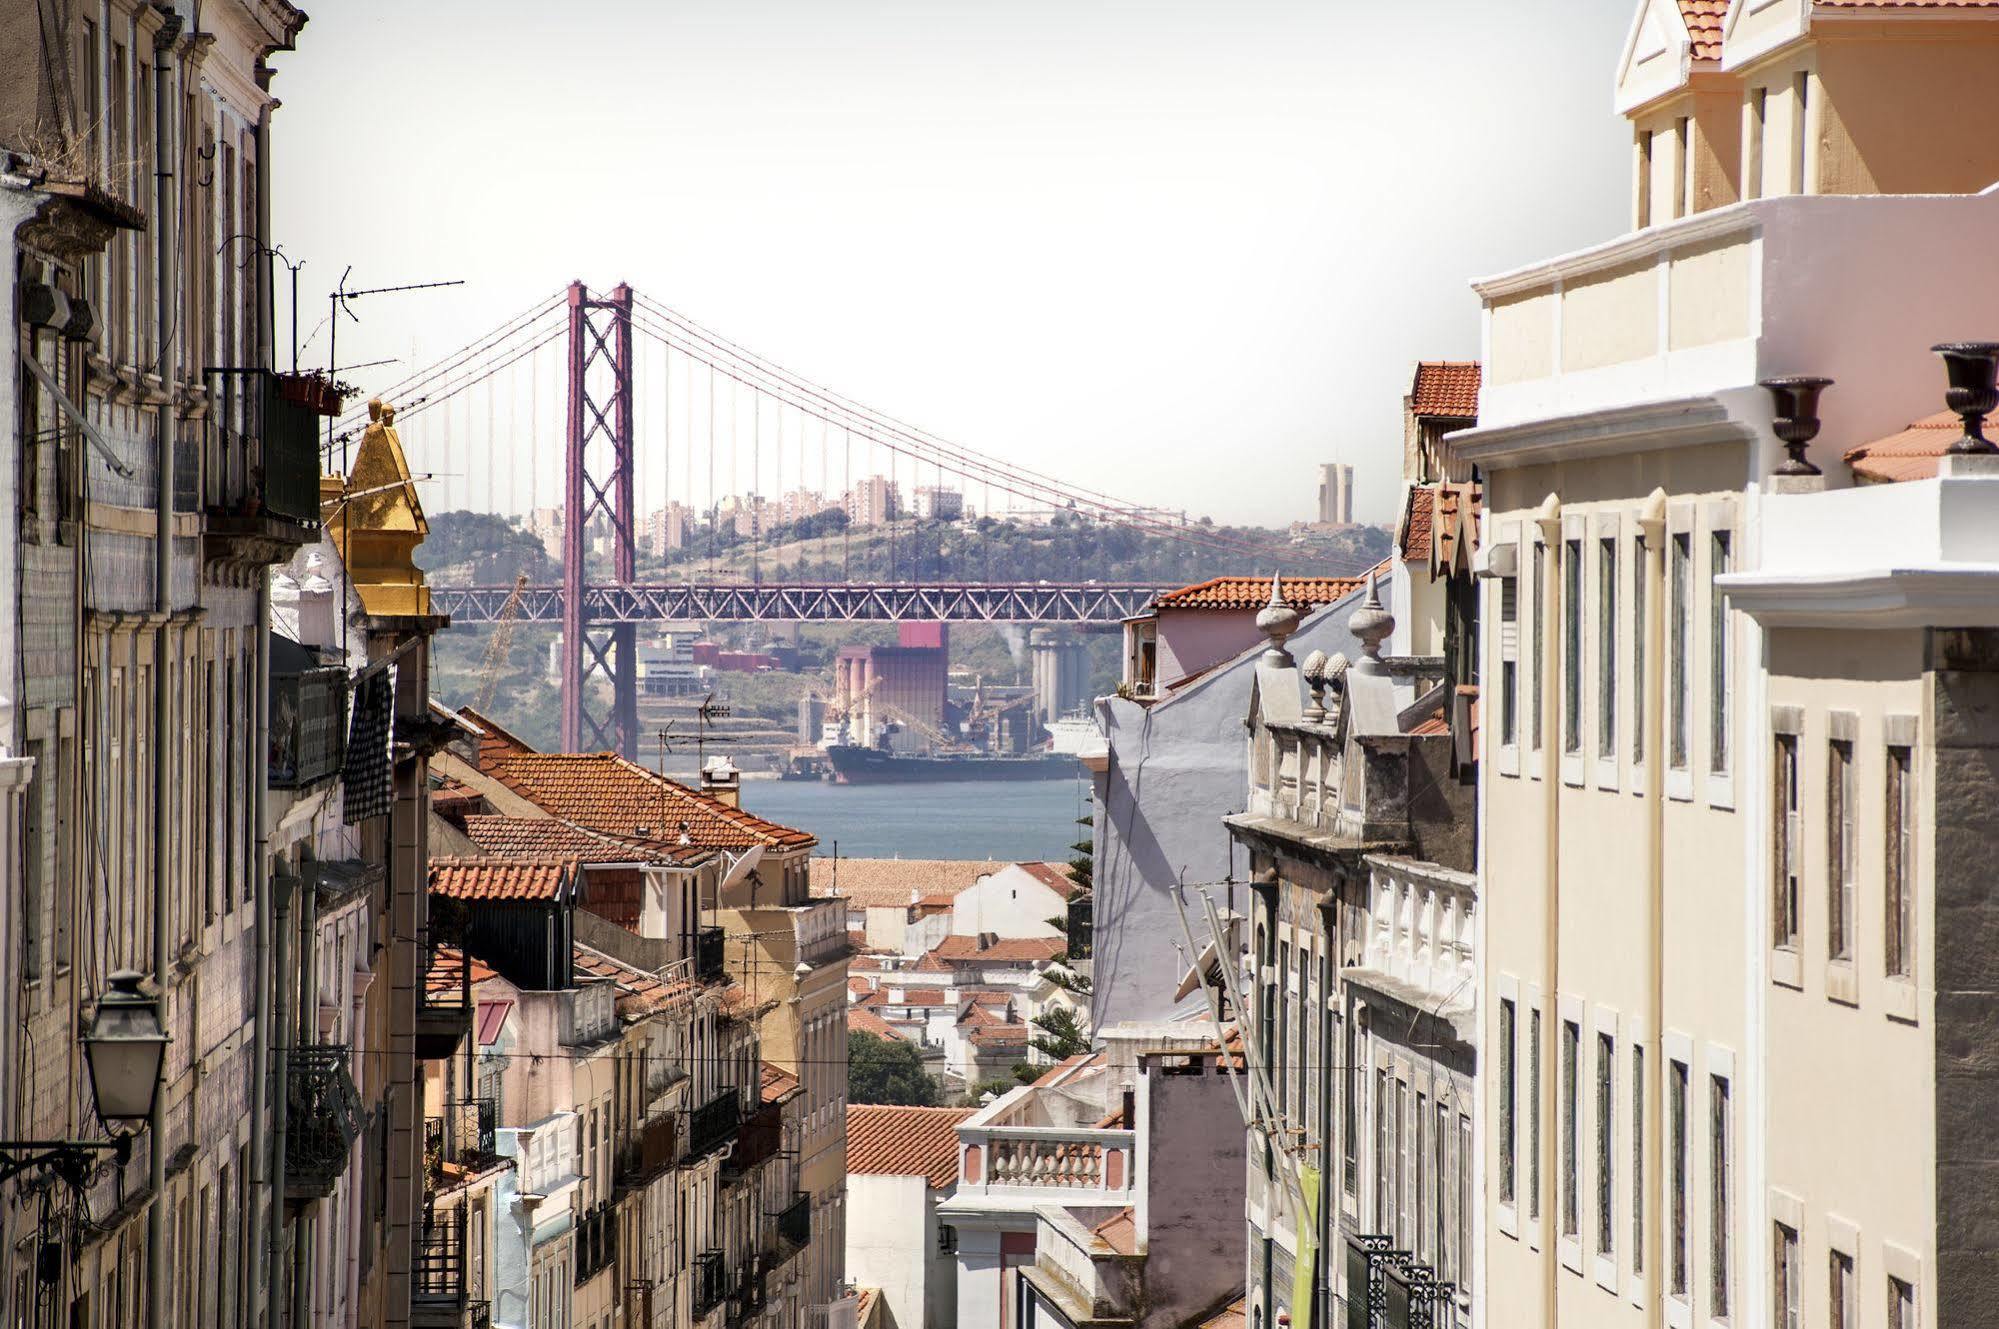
column 1507, row 1092
column 1609, row 632
column 1719, row 546
column 1677, row 1143
column 1572, row 593
column 1786, row 875
column 1604, row 1169
column 1901, row 867
column 1679, row 653
column 1842, row 871
column 1568, row 1123
column 1721, row 1280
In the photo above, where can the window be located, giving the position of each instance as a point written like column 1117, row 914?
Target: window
column 1638, row 649
column 1606, row 648
column 1420, row 1173
column 1784, row 841
column 1644, row 140
column 1784, row 1292
column 1534, row 1114
column 1683, row 160
column 1571, row 1198
column 1606, row 1136
column 1682, row 558
column 1719, row 1216
column 1509, row 661
column 1350, row 1108
column 1676, row 1164
column 1637, row 1158
column 34, row 838
column 1281, row 1000
column 1540, row 639
column 1843, row 1296
column 1901, row 1304
column 1900, row 874
column 1508, row 1089
column 1717, row 750
column 1839, row 850
column 1460, row 1267
column 1801, row 87
column 1384, row 1211
column 1752, row 164
column 947, row 1239
column 1399, row 1150
column 1572, row 646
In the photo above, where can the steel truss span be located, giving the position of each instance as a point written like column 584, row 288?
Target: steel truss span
column 792, row 602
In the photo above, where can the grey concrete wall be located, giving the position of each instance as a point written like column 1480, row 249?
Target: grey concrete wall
column 1193, row 1195
column 1176, row 769
column 1964, row 683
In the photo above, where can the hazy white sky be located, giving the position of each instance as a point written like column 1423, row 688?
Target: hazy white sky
column 1176, row 251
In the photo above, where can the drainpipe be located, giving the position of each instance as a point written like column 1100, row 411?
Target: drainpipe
column 1548, row 517
column 167, row 288
column 281, row 1022
column 1652, row 526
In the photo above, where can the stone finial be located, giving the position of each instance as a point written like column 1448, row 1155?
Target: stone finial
column 1315, row 679
column 1972, row 368
column 1277, row 621
column 1371, row 623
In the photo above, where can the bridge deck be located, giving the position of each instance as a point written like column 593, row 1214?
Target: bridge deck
column 1090, row 603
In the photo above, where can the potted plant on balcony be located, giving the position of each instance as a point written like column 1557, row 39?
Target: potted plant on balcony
column 314, row 391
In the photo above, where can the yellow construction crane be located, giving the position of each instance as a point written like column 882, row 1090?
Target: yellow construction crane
column 497, row 648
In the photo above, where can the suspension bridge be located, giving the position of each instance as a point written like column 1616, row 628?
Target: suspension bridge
column 641, row 408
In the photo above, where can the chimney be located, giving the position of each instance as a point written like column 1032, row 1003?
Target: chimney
column 721, row 781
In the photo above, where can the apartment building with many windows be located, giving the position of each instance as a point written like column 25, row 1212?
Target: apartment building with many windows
column 1730, row 1074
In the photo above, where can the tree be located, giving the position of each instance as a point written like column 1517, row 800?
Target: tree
column 1061, row 1034
column 887, row 1070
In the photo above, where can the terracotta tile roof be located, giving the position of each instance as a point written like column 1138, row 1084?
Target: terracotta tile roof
column 777, row 1084
column 1068, row 1067
column 640, row 992
column 861, row 1020
column 866, row 1301
column 1703, row 19
column 1413, row 533
column 887, row 882
column 1449, row 388
column 999, row 1036
column 1119, row 1232
column 855, row 983
column 604, row 792
column 447, row 971
column 1055, row 876
column 1000, row 950
column 502, row 878
column 1913, row 453
column 888, row 1141
column 1235, row 1315
column 1254, row 593
column 928, row 963
column 512, row 837
column 910, row 997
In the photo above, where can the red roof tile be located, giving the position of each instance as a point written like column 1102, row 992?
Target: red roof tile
column 1447, row 388
column 1414, row 533
column 1913, row 453
column 861, row 1020
column 1119, row 1232
column 1703, row 19
column 1000, row 950
column 1254, row 593
column 884, row 882
column 886, row 1141
column 502, row 878
column 513, row 837
column 640, row 992
column 1066, row 1067
column 447, row 971
column 999, row 1036
column 1055, row 876
column 777, row 1084
column 1232, row 1316
column 604, row 792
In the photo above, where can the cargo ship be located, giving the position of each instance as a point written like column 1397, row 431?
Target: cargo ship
column 853, row 764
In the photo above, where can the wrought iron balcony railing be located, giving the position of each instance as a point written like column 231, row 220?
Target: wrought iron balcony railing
column 465, row 1134
column 596, row 1243
column 794, row 1221
column 711, row 1282
column 439, row 1270
column 260, row 460
column 322, row 1119
column 709, row 947
column 648, row 1152
column 714, row 1123
column 308, row 727
column 759, row 1138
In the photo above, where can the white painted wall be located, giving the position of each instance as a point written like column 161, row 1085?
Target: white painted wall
column 1010, row 903
column 891, row 1242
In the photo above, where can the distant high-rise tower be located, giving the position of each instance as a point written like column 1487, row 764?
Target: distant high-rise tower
column 1335, row 494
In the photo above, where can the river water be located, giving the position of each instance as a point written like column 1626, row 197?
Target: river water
column 1004, row 820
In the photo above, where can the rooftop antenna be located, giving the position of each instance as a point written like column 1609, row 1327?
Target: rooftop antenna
column 338, row 301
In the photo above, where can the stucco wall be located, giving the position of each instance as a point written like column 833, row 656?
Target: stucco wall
column 891, row 1241
column 1009, row 903
column 1190, row 1193
column 1175, row 769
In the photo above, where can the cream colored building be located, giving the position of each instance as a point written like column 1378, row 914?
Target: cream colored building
column 1704, row 1103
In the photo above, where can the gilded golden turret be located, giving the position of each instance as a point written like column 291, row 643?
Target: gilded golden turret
column 376, row 521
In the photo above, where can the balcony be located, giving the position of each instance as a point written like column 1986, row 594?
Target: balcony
column 1009, row 1152
column 757, row 1140
column 444, row 1012
column 710, row 1282
column 649, row 1152
column 819, row 931
column 308, row 723
column 714, row 1124
column 1417, row 939
column 439, row 1289
column 794, row 1221
column 465, row 1137
column 596, row 1243
column 752, row 1290
column 322, row 1119
column 709, row 947
column 260, row 470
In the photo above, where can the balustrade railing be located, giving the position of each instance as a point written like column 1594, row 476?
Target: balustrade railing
column 1420, row 928
column 1093, row 1166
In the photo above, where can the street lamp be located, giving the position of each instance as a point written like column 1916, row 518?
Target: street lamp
column 124, row 1049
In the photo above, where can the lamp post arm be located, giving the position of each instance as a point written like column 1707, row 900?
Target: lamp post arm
column 68, row 1159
